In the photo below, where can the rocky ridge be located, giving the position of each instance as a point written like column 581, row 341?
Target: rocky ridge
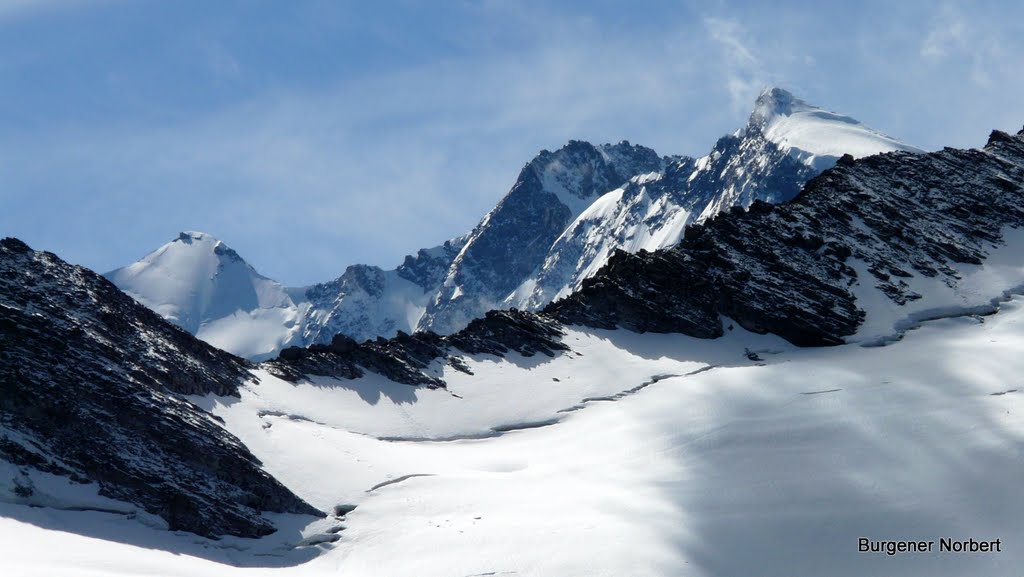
column 761, row 161
column 93, row 387
column 783, row 269
column 789, row 270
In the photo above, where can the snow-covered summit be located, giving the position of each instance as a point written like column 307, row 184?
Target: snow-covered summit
column 202, row 285
column 815, row 136
column 785, row 143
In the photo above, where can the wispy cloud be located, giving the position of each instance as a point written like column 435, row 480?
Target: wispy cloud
column 743, row 71
column 952, row 35
column 221, row 62
column 373, row 167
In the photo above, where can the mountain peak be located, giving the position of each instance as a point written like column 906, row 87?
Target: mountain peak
column 813, row 135
column 207, row 242
column 774, row 100
column 195, row 280
column 191, row 236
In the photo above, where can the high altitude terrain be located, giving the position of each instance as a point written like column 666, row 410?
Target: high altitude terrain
column 567, row 213
column 564, row 443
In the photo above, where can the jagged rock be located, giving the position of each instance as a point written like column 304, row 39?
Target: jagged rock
column 408, row 358
column 92, row 387
column 511, row 241
column 786, row 269
column 769, row 160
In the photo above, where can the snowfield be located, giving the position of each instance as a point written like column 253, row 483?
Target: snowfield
column 741, row 456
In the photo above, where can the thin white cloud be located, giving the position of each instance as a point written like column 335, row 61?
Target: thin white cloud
column 378, row 166
column 743, row 70
column 954, row 34
column 946, row 34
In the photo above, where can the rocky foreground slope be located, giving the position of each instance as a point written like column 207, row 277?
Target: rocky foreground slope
column 92, row 388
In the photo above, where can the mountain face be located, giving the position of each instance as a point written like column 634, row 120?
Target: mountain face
column 513, row 239
column 784, row 144
column 865, row 251
column 200, row 284
column 867, row 248
column 567, row 213
column 92, row 390
column 366, row 301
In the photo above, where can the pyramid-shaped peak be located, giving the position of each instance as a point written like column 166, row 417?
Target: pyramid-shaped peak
column 774, row 102
column 777, row 96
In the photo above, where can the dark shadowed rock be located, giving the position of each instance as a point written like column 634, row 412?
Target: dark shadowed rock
column 786, row 269
column 409, row 358
column 92, row 387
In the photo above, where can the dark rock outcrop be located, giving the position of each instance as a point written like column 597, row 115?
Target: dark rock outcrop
column 787, row 269
column 410, row 359
column 93, row 385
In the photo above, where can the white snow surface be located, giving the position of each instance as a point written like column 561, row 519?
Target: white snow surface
column 814, row 135
column 977, row 289
column 723, row 466
column 198, row 283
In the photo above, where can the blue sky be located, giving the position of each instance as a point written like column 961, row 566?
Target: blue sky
column 310, row 135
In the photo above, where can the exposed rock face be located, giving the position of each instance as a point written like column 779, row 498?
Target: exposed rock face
column 367, row 302
column 785, row 143
column 416, row 359
column 92, row 385
column 430, row 265
column 511, row 241
column 787, row 269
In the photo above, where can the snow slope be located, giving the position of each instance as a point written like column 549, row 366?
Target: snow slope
column 200, row 284
column 815, row 136
column 774, row 467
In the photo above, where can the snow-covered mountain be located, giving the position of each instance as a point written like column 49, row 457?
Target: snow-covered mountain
column 511, row 241
column 200, row 284
column 368, row 302
column 784, row 144
column 569, row 442
column 567, row 213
